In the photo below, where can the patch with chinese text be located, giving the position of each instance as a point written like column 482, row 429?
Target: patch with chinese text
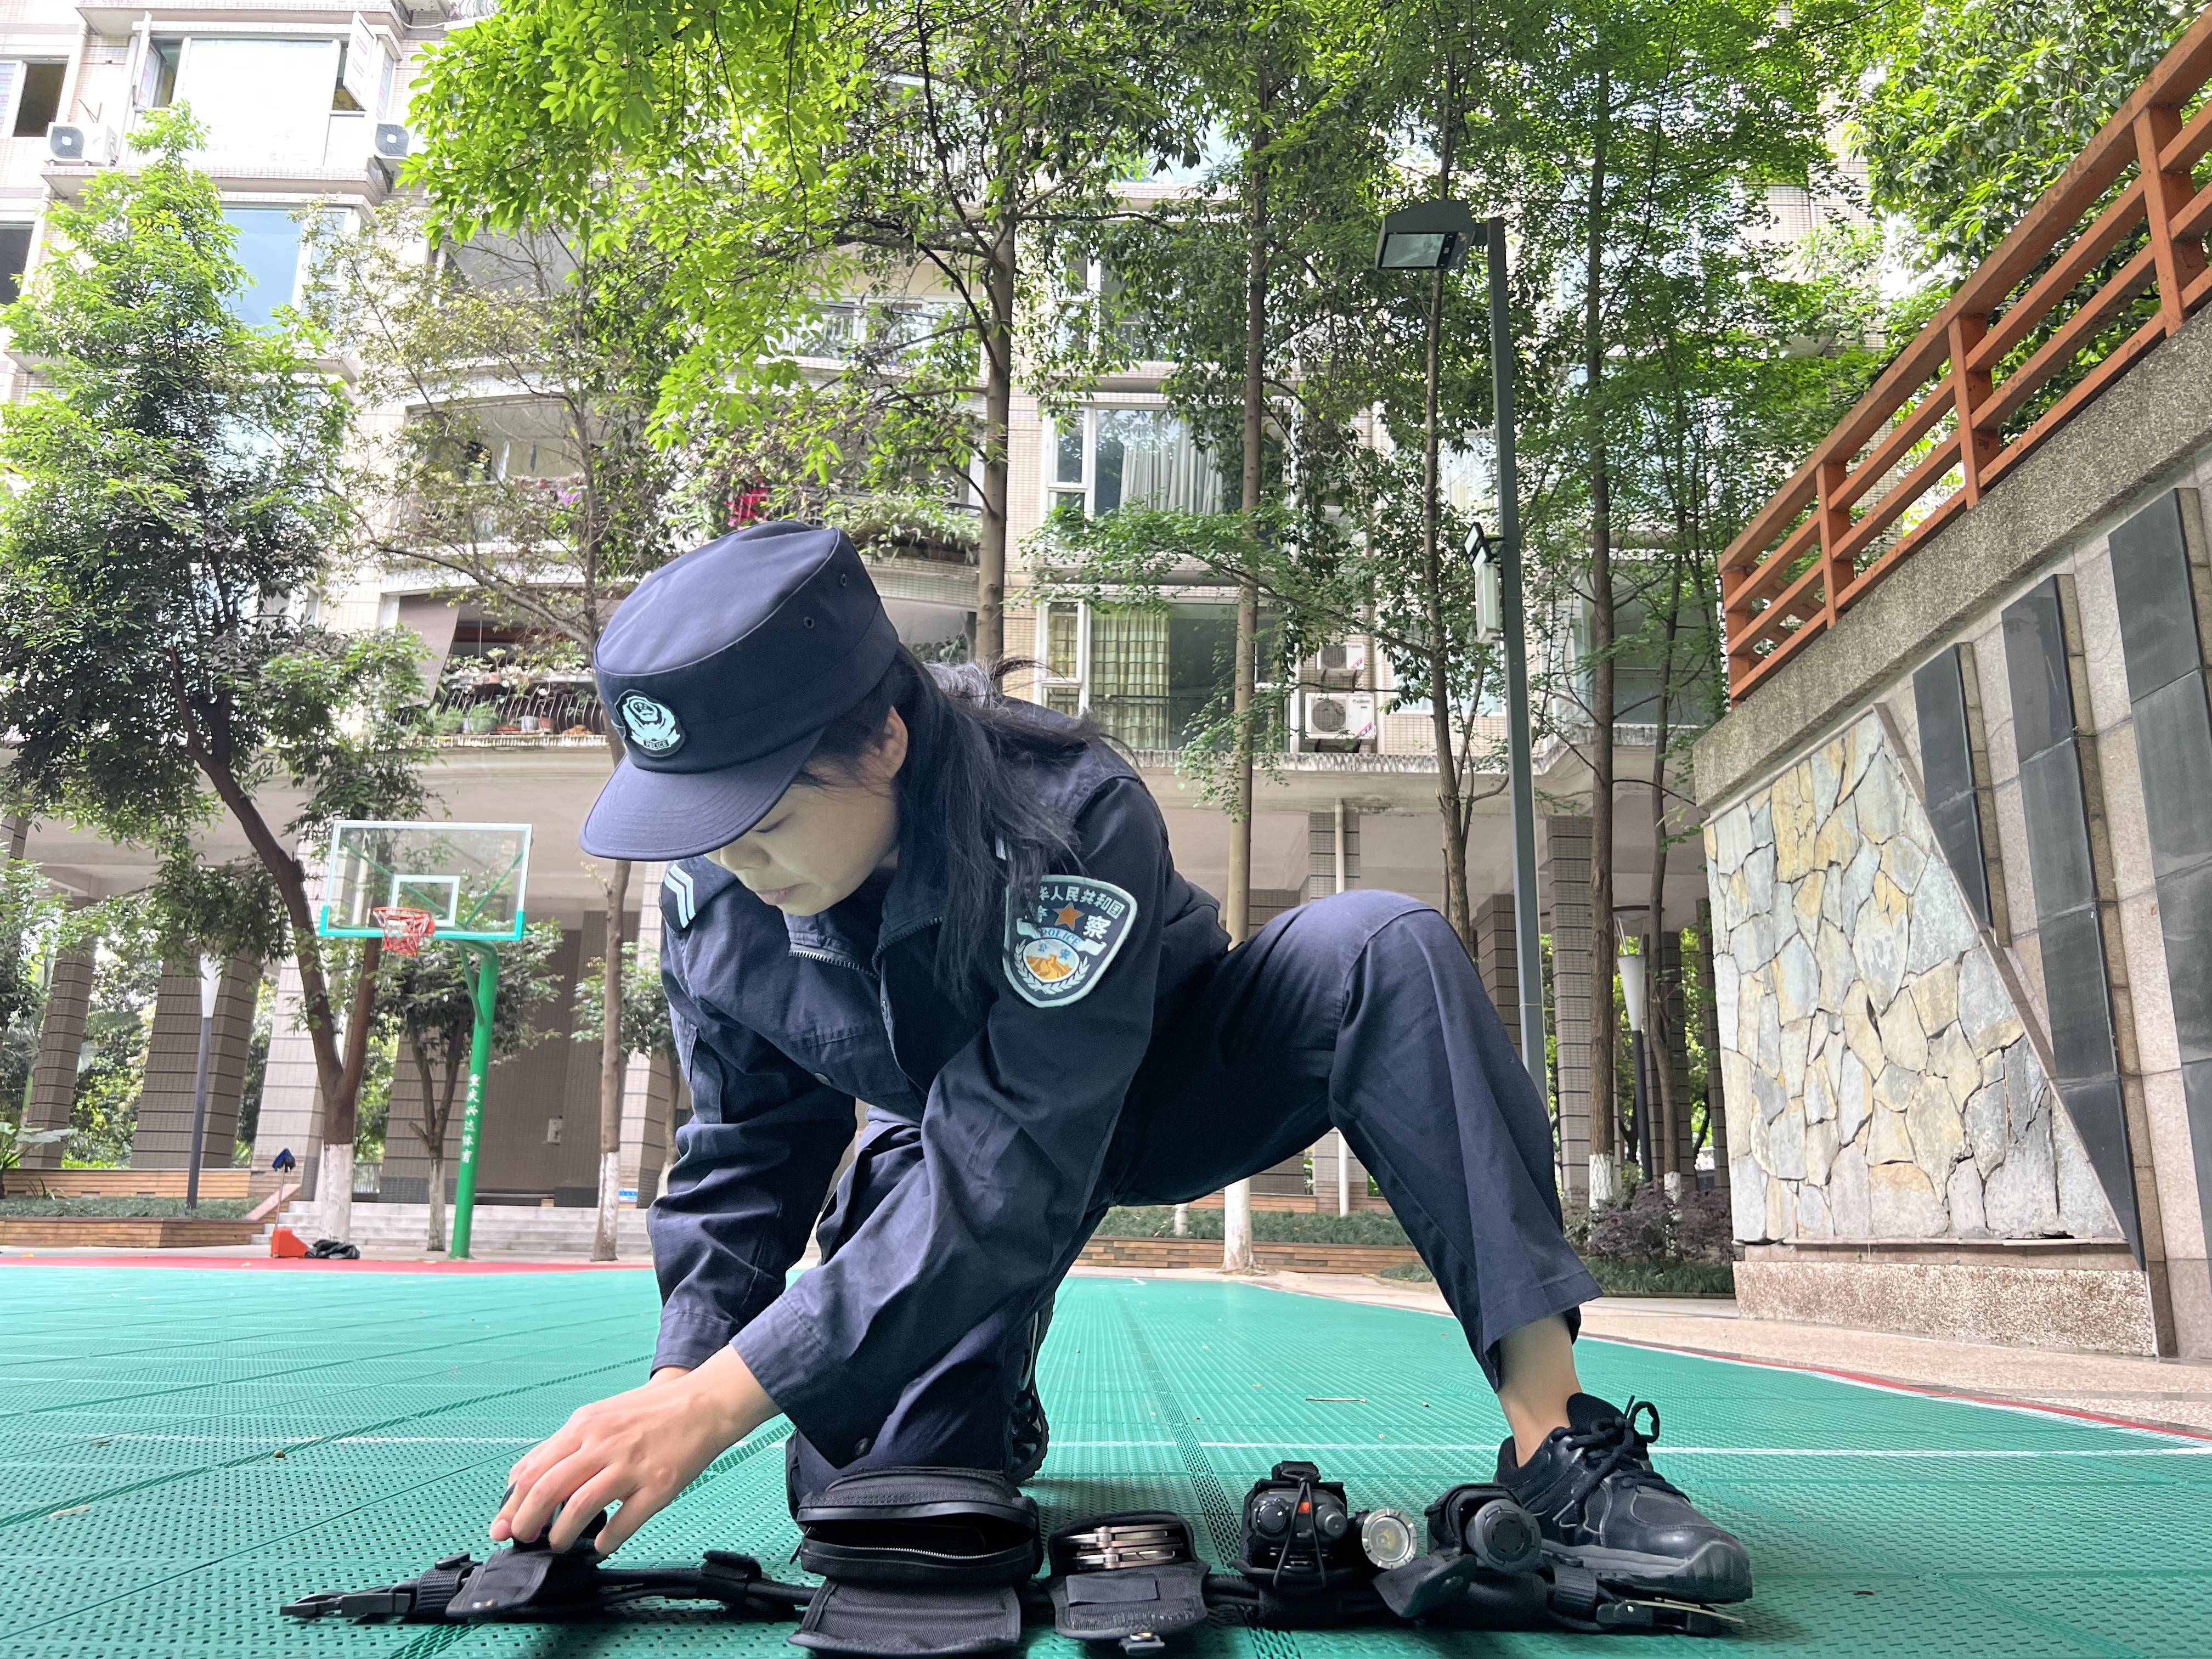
column 1057, row 948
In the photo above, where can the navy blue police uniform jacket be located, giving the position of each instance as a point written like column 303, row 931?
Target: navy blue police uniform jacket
column 782, row 1022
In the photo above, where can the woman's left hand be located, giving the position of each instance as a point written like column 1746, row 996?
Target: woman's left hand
column 638, row 1450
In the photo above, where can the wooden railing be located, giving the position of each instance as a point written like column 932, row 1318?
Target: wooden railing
column 2055, row 315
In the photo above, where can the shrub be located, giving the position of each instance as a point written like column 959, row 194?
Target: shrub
column 1268, row 1226
column 1648, row 1229
column 211, row 1209
column 1618, row 1278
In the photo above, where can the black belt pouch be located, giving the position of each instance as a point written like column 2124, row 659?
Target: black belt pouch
column 921, row 1563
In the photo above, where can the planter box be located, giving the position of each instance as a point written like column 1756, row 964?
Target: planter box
column 1206, row 1253
column 126, row 1232
column 227, row 1181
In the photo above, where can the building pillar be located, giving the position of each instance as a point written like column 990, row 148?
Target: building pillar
column 647, row 1099
column 1715, row 1109
column 1567, row 843
column 1324, row 1177
column 291, row 1092
column 61, row 1045
column 1495, row 961
column 164, row 1136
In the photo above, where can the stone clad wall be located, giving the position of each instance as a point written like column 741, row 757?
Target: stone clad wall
column 1879, row 1083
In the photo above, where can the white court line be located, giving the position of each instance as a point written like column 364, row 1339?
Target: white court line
column 1657, row 1451
column 438, row 1439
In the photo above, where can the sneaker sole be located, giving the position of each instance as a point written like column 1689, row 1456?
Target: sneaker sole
column 1716, row 1573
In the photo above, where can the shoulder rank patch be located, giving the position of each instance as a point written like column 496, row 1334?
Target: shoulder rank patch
column 1060, row 946
column 677, row 880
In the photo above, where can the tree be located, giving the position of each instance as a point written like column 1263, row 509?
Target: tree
column 530, row 471
column 1643, row 134
column 427, row 1003
column 927, row 144
column 172, row 513
column 1968, row 110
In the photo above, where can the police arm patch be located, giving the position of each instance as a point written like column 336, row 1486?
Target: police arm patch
column 1060, row 945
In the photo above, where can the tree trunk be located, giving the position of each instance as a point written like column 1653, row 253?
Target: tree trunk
column 1237, row 1202
column 999, row 278
column 334, row 1169
column 1659, row 1012
column 614, row 1063
column 437, row 1113
column 1458, row 910
column 434, row 1237
column 1604, row 1155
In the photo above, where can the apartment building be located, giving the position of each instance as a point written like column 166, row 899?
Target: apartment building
column 305, row 104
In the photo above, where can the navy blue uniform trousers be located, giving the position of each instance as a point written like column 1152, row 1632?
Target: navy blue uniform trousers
column 1360, row 1012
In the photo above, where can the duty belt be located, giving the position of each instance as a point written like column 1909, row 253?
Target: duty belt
column 938, row 1562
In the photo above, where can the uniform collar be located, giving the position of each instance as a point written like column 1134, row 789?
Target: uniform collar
column 915, row 901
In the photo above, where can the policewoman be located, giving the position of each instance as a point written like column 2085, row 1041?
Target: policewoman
column 887, row 883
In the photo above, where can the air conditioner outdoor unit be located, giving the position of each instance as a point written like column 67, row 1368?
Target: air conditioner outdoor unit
column 97, row 145
column 1335, row 714
column 392, row 141
column 1349, row 657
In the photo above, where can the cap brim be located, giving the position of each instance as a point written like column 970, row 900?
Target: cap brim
column 657, row 815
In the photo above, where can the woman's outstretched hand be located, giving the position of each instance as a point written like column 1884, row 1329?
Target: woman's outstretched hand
column 638, row 1450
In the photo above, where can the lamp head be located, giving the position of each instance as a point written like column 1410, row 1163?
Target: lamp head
column 1632, row 988
column 1427, row 236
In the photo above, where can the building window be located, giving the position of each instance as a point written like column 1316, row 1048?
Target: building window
column 269, row 247
column 1102, row 459
column 41, row 102
column 1063, row 657
column 15, row 254
column 267, row 102
column 1148, row 678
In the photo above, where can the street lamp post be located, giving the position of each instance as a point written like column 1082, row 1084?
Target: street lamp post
column 1438, row 236
column 210, row 983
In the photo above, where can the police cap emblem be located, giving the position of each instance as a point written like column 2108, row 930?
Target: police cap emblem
column 651, row 726
column 1059, row 945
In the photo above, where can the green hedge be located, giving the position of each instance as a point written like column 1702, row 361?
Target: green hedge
column 1616, row 1276
column 1270, row 1226
column 211, row 1209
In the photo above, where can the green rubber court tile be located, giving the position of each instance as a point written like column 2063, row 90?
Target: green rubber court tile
column 144, row 1514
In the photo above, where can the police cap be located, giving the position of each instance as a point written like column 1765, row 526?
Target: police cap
column 721, row 672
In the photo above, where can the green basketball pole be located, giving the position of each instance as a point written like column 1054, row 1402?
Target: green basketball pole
column 485, row 996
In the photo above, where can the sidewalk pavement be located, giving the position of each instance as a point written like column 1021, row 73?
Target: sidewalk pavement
column 2175, row 1394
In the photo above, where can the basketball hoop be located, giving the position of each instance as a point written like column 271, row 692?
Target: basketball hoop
column 406, row 929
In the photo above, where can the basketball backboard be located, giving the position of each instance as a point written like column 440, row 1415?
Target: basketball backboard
column 469, row 877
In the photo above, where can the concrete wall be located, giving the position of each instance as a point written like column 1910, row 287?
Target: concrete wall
column 1866, row 1003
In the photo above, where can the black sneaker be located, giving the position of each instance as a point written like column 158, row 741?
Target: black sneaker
column 1603, row 1507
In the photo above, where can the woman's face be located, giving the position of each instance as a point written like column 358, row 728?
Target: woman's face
column 822, row 840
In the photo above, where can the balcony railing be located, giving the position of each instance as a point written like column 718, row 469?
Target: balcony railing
column 545, row 704
column 2053, row 317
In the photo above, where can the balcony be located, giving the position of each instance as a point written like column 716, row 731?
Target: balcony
column 508, row 707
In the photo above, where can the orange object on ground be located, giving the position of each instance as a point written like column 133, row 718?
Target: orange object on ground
column 283, row 1241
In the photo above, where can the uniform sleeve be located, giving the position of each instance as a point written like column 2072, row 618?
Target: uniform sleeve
column 751, row 1168
column 1013, row 1138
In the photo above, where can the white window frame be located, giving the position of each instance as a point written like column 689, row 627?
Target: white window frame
column 1048, row 682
